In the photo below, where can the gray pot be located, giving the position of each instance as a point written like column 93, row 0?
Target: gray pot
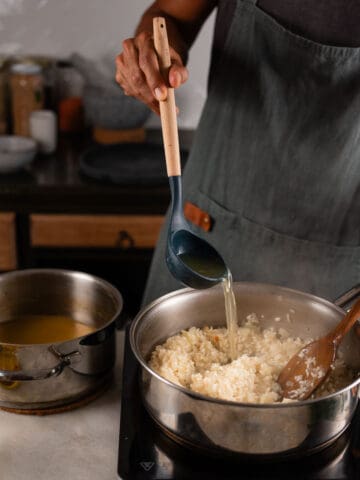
column 48, row 375
column 224, row 427
column 112, row 109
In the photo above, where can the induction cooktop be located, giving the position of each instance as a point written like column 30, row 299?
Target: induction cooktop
column 147, row 453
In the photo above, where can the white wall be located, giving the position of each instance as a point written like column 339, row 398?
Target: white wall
column 95, row 29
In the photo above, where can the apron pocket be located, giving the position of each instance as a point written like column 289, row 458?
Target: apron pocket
column 320, row 268
column 256, row 253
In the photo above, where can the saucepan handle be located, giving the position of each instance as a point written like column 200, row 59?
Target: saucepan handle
column 348, row 298
column 41, row 374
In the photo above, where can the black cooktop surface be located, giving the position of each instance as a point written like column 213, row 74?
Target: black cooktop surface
column 146, row 453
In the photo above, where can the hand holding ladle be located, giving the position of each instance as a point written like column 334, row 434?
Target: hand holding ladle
column 190, row 259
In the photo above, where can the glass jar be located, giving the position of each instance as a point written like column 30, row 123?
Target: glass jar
column 70, row 85
column 27, row 95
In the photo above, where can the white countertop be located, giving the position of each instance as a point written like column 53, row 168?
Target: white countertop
column 78, row 444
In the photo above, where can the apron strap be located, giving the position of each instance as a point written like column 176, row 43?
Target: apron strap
column 254, row 2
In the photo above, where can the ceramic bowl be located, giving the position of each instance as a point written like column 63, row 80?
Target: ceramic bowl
column 111, row 109
column 16, row 152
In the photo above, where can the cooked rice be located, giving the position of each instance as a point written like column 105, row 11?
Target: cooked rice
column 198, row 359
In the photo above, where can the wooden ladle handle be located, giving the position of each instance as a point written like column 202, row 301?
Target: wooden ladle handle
column 167, row 107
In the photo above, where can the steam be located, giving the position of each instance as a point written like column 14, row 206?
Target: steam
column 42, row 3
column 8, row 7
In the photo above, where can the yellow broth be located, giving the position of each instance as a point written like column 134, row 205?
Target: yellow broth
column 35, row 329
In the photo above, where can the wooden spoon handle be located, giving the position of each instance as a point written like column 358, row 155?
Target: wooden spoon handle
column 346, row 323
column 167, row 107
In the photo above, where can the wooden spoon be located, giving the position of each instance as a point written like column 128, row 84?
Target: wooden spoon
column 306, row 370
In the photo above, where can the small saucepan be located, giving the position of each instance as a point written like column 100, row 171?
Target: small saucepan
column 42, row 375
column 222, row 427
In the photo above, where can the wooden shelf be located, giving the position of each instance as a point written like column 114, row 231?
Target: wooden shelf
column 8, row 257
column 122, row 231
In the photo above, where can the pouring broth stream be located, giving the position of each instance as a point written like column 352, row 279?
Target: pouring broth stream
column 230, row 313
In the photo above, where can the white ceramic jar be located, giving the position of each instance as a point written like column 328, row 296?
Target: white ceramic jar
column 43, row 129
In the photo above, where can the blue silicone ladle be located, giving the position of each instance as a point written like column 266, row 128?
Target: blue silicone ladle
column 189, row 258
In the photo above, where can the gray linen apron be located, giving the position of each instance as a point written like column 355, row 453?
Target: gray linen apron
column 276, row 161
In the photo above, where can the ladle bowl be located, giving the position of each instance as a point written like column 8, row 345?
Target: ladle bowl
column 193, row 261
column 189, row 258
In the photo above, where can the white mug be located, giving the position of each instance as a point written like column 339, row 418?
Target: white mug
column 43, row 129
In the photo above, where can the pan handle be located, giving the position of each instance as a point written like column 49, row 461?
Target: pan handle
column 348, row 298
column 20, row 375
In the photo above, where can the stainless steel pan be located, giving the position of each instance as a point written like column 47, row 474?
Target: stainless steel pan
column 223, row 427
column 48, row 375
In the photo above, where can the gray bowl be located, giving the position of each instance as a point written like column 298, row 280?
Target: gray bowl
column 112, row 109
column 15, row 152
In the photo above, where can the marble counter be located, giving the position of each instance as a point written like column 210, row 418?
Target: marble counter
column 79, row 444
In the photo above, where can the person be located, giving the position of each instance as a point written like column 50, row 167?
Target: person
column 276, row 157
